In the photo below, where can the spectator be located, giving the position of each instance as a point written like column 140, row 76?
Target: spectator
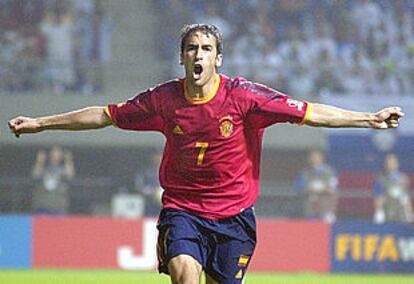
column 312, row 40
column 147, row 183
column 212, row 16
column 30, row 58
column 367, row 15
column 317, row 185
column 392, row 194
column 93, row 32
column 58, row 27
column 9, row 49
column 62, row 45
column 52, row 172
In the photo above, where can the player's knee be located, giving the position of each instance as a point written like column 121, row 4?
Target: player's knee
column 184, row 269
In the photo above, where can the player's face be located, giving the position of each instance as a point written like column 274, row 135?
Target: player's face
column 200, row 58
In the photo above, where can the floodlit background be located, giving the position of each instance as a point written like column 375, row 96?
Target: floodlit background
column 62, row 55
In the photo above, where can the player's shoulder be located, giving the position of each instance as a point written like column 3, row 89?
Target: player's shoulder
column 240, row 85
column 161, row 90
column 235, row 83
column 168, row 87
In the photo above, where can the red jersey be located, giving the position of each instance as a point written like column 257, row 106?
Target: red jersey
column 210, row 165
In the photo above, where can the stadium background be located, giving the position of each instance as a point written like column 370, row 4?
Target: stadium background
column 355, row 54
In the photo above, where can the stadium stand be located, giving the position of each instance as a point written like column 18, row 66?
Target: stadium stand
column 309, row 49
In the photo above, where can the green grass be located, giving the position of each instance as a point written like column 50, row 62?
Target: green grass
column 120, row 277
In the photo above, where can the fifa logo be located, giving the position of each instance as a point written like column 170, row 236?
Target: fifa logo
column 374, row 247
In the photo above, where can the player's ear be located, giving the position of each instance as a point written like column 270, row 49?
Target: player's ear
column 181, row 59
column 219, row 60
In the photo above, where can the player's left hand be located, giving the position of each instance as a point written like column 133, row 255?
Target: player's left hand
column 388, row 118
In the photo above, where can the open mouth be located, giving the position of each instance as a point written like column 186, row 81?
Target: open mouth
column 198, row 69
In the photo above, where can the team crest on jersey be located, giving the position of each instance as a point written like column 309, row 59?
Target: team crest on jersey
column 226, row 126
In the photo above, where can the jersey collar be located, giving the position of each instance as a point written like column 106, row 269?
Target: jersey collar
column 204, row 99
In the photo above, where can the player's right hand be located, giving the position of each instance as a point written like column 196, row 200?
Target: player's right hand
column 21, row 125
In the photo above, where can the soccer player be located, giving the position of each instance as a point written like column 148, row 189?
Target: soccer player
column 392, row 201
column 213, row 126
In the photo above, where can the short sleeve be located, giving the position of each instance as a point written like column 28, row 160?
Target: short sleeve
column 138, row 113
column 268, row 106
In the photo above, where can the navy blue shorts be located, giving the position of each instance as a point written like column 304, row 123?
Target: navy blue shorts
column 223, row 247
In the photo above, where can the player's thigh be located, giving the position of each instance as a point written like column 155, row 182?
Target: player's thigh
column 184, row 269
column 178, row 236
column 230, row 261
column 210, row 280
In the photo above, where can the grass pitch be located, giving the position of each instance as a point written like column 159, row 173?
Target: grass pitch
column 35, row 276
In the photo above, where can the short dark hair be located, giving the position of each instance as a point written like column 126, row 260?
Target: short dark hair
column 213, row 30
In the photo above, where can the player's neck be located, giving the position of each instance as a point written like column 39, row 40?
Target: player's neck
column 200, row 92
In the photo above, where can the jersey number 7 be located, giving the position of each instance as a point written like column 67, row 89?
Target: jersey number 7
column 203, row 148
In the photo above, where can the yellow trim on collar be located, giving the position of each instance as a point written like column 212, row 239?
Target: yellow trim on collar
column 204, row 99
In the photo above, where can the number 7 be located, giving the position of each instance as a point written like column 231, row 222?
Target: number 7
column 203, row 148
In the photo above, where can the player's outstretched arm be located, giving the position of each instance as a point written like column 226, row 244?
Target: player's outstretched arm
column 329, row 116
column 83, row 119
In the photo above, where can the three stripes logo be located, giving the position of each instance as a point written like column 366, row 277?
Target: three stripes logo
column 177, row 130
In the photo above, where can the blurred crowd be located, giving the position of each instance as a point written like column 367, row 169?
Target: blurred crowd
column 307, row 47
column 57, row 45
column 55, row 188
